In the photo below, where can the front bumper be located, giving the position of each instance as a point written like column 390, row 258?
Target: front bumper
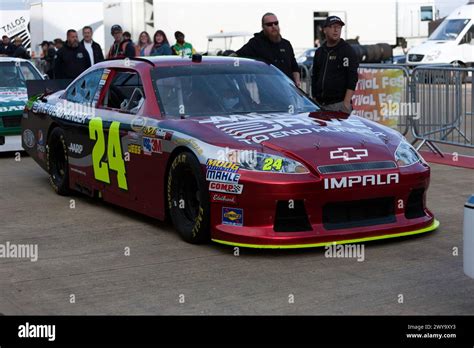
column 260, row 198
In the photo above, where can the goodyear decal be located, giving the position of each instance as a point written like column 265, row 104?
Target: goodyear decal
column 232, row 216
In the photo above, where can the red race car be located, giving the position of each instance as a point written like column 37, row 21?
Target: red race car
column 231, row 151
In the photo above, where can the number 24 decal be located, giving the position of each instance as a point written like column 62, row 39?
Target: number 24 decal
column 114, row 152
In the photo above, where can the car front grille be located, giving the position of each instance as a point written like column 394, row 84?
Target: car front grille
column 349, row 167
column 350, row 214
column 415, row 57
column 11, row 121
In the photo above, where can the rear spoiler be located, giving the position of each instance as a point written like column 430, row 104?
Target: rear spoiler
column 45, row 87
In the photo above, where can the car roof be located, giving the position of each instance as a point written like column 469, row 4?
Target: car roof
column 157, row 61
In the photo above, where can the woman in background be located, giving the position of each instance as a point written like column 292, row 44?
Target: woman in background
column 161, row 46
column 144, row 46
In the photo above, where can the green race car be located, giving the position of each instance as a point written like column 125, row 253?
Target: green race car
column 14, row 72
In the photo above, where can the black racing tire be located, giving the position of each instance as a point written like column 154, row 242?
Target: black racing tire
column 57, row 162
column 188, row 199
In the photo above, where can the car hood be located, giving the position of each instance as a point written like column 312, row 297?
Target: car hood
column 320, row 138
column 12, row 100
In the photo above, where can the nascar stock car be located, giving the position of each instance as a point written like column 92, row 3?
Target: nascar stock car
column 14, row 73
column 231, row 151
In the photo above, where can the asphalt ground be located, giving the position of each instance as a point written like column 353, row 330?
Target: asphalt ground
column 82, row 252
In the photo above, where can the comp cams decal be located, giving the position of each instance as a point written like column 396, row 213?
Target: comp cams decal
column 223, row 187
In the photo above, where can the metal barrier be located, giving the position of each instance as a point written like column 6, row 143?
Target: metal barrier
column 434, row 102
column 305, row 77
column 445, row 101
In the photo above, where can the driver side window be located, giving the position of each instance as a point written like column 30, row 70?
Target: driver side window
column 125, row 93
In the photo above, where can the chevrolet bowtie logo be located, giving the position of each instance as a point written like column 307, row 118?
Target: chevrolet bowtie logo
column 348, row 153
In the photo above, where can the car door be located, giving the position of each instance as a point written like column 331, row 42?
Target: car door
column 127, row 160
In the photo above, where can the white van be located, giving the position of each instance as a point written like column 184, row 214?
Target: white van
column 451, row 42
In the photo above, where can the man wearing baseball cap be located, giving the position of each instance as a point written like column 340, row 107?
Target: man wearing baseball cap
column 120, row 48
column 335, row 67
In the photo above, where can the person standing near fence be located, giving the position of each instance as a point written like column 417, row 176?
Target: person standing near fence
column 335, row 67
column 269, row 46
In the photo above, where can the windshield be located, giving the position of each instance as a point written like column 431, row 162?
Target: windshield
column 217, row 89
column 14, row 74
column 449, row 30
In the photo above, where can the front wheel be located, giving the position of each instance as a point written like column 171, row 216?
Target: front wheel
column 188, row 199
column 57, row 162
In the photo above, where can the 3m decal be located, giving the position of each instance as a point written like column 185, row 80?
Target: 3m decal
column 114, row 152
column 232, row 216
column 151, row 145
column 272, row 164
column 225, row 187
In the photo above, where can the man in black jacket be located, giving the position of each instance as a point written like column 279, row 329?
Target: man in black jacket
column 6, row 48
column 72, row 59
column 20, row 51
column 92, row 47
column 269, row 46
column 335, row 66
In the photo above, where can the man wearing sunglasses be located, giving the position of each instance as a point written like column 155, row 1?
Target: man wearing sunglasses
column 270, row 47
column 335, row 67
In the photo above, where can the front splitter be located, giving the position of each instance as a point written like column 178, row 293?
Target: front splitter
column 430, row 228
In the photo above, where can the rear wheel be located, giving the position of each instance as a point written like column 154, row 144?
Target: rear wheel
column 57, row 162
column 188, row 199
